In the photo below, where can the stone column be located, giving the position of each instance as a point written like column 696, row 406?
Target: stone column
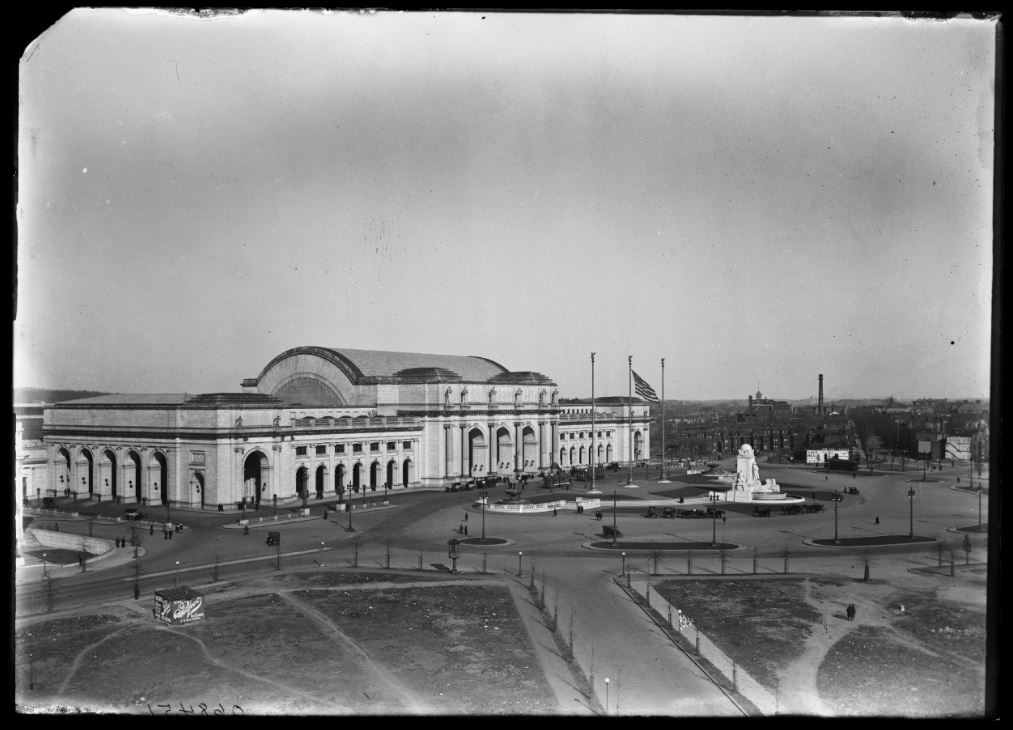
column 448, row 449
column 541, row 445
column 518, row 453
column 124, row 482
column 491, row 453
column 554, row 428
column 464, row 473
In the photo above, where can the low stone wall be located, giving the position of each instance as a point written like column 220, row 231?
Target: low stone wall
column 71, row 541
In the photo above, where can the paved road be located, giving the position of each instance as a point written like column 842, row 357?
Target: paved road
column 647, row 674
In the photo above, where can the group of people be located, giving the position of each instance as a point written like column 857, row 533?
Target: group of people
column 851, row 612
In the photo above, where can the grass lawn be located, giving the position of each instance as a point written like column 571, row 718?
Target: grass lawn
column 321, row 643
column 925, row 660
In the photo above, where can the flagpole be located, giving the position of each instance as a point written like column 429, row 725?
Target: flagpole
column 664, row 473
column 629, row 481
column 591, row 460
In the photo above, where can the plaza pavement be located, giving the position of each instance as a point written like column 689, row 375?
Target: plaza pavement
column 613, row 637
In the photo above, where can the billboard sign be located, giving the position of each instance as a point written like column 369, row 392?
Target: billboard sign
column 178, row 605
column 958, row 447
column 818, row 456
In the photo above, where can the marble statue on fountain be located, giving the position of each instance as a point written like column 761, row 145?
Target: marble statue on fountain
column 747, row 477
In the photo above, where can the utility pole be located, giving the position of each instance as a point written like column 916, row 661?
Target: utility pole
column 593, row 453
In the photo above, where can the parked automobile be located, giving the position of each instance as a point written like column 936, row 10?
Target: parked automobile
column 132, row 513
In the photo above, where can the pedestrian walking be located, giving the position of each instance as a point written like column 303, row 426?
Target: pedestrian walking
column 553, row 511
column 465, row 530
column 151, row 529
column 724, row 520
column 465, row 516
column 877, row 519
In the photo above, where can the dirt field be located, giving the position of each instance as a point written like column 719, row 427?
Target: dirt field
column 326, row 643
column 923, row 660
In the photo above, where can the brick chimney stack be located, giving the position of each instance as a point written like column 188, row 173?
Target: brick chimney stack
column 819, row 409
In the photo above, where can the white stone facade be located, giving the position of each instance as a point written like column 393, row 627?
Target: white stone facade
column 326, row 421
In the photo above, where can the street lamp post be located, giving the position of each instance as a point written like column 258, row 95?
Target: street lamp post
column 911, row 497
column 484, row 498
column 836, row 498
column 613, row 517
column 713, row 516
column 979, row 490
column 321, row 553
column 624, row 564
column 177, row 574
column 606, row 695
column 520, row 556
column 593, row 453
column 45, row 571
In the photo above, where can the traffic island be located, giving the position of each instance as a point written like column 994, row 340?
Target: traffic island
column 484, row 541
column 672, row 546
column 878, row 540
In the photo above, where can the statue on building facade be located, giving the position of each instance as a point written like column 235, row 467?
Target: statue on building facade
column 446, row 397
column 517, row 397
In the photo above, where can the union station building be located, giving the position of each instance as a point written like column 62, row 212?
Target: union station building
column 330, row 422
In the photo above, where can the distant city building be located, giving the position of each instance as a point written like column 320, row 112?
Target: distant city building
column 321, row 421
column 820, row 456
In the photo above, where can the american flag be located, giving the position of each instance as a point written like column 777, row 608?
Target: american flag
column 644, row 390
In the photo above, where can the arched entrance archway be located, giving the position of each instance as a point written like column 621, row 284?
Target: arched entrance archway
column 255, row 468
column 88, row 478
column 63, row 472
column 580, row 455
column 109, row 472
column 134, row 485
column 356, row 477
column 562, row 456
column 198, row 478
column 321, row 480
column 573, row 455
column 478, row 452
column 406, row 472
column 159, row 469
column 504, row 449
column 391, row 470
column 638, row 445
column 608, row 453
column 302, row 478
column 374, row 475
column 529, row 448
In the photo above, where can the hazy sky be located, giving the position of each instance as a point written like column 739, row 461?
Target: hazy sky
column 755, row 199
